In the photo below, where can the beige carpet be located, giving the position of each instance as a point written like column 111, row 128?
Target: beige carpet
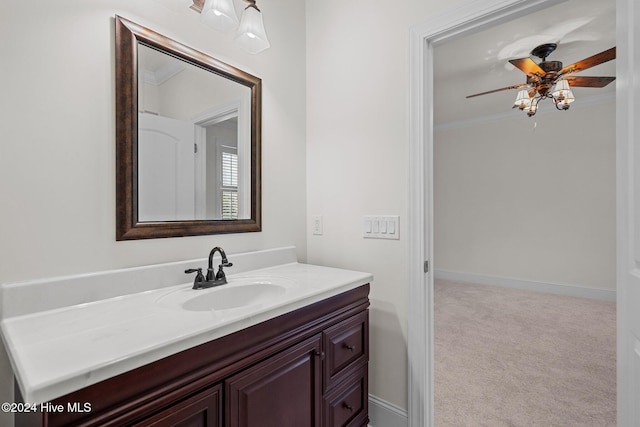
column 506, row 357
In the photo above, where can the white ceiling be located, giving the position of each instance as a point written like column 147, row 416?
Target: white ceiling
column 479, row 62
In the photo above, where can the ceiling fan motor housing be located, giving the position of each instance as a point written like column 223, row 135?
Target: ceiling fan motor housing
column 543, row 84
column 551, row 66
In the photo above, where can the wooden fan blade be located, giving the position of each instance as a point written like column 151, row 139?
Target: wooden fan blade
column 586, row 81
column 497, row 90
column 529, row 67
column 589, row 62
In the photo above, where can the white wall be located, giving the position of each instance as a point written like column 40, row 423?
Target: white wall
column 57, row 156
column 529, row 198
column 357, row 158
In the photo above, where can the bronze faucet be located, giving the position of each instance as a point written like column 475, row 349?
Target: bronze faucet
column 211, row 280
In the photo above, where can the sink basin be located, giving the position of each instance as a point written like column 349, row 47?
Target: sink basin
column 226, row 298
column 246, row 292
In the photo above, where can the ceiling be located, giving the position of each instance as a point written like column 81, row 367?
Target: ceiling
column 479, row 62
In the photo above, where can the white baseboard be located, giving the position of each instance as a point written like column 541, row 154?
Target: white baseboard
column 531, row 285
column 385, row 414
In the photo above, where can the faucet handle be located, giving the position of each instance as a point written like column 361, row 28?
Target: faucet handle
column 220, row 274
column 199, row 277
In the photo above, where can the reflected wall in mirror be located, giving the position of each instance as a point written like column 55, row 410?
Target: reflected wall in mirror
column 188, row 140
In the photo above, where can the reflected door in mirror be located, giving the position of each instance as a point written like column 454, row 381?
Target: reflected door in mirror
column 166, row 169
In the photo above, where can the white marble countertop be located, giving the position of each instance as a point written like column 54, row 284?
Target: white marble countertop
column 57, row 351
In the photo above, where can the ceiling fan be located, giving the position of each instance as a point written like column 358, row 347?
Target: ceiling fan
column 549, row 79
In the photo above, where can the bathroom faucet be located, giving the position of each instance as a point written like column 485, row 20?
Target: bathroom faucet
column 211, row 280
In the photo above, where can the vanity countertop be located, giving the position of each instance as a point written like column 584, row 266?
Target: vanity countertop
column 57, row 351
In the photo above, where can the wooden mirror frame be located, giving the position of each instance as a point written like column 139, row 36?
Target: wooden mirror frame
column 128, row 35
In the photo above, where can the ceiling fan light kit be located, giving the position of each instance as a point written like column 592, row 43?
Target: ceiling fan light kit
column 561, row 95
column 549, row 79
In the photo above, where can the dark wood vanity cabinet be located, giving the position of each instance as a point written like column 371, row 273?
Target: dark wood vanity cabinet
column 308, row 367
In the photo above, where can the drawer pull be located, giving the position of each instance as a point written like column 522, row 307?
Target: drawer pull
column 348, row 347
column 347, row 406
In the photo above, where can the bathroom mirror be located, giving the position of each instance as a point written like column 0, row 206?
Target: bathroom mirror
column 188, row 140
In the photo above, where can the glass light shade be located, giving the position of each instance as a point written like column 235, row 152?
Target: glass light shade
column 562, row 92
column 523, row 101
column 251, row 34
column 563, row 104
column 220, row 14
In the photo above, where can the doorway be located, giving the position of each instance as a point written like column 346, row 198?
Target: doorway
column 464, row 20
column 524, row 205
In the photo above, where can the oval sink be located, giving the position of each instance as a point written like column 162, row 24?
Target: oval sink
column 226, row 298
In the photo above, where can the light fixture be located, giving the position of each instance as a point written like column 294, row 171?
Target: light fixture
column 562, row 95
column 220, row 14
column 250, row 32
column 550, row 79
column 523, row 100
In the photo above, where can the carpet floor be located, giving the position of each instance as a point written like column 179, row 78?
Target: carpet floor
column 509, row 357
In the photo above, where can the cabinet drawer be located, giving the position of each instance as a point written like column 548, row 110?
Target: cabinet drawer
column 347, row 404
column 346, row 344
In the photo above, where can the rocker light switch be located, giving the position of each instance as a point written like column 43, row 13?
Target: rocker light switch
column 381, row 227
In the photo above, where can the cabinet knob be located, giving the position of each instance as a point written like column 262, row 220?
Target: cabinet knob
column 347, row 406
column 319, row 353
column 348, row 347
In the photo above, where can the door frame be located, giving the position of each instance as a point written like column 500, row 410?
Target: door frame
column 463, row 19
column 240, row 108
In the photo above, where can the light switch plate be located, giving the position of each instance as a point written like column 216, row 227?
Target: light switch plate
column 316, row 225
column 381, row 227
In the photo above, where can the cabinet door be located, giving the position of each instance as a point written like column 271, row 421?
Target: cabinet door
column 281, row 391
column 201, row 410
